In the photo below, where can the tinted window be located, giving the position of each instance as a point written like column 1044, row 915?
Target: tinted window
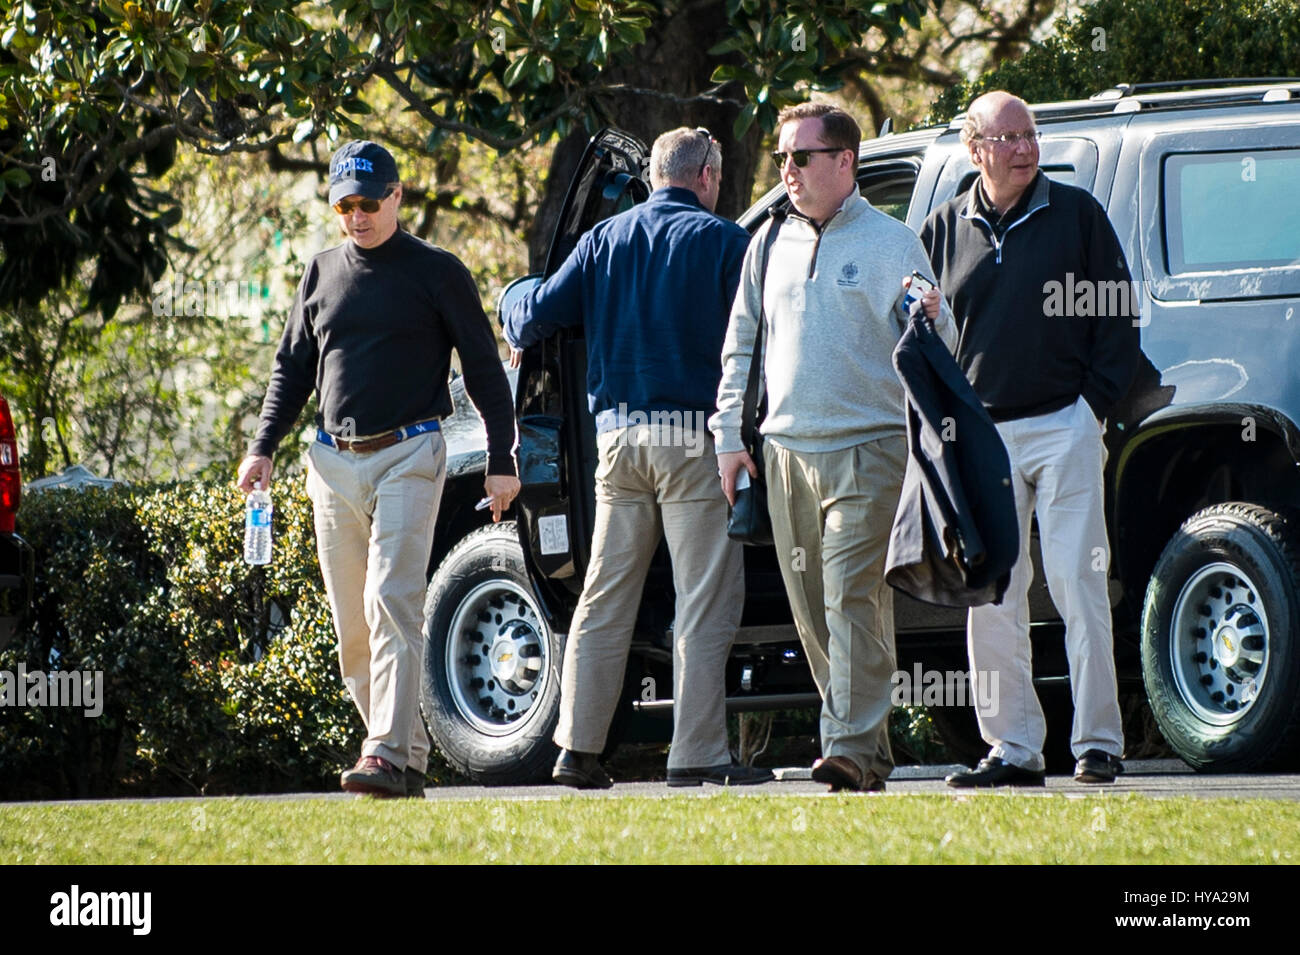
column 888, row 186
column 1232, row 210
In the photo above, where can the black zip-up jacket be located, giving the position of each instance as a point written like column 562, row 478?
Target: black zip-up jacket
column 1048, row 312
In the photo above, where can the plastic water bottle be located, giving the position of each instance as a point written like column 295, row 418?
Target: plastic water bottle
column 257, row 526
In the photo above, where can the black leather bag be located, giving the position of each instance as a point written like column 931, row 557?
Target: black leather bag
column 749, row 521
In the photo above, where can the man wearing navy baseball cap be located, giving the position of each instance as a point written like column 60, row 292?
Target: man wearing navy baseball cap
column 371, row 331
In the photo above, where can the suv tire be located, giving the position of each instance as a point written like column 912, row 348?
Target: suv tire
column 1221, row 639
column 491, row 688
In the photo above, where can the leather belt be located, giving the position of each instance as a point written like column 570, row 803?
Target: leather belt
column 378, row 443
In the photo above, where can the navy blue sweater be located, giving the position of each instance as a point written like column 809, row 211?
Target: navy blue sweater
column 653, row 287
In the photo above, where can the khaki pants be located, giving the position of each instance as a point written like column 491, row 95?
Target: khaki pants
column 831, row 517
column 374, row 517
column 647, row 485
column 1056, row 470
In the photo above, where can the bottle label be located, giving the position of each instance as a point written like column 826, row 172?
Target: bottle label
column 259, row 518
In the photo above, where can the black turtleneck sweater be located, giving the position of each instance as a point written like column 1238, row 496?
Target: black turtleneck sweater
column 372, row 331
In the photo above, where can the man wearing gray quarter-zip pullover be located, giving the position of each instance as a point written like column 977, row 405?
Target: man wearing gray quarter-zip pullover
column 834, row 432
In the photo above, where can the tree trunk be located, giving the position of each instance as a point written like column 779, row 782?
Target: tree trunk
column 666, row 86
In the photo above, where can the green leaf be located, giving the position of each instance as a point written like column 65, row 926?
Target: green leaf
column 517, row 70
column 744, row 121
column 546, row 70
column 731, row 43
column 16, row 176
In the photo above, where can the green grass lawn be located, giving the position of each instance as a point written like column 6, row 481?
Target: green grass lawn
column 721, row 828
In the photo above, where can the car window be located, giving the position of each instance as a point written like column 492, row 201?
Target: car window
column 1071, row 160
column 608, row 184
column 1232, row 210
column 888, row 186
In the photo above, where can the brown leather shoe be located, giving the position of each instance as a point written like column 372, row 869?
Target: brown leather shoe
column 840, row 772
column 375, row 776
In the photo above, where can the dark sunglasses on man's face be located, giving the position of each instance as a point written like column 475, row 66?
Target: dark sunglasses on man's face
column 344, row 207
column 801, row 156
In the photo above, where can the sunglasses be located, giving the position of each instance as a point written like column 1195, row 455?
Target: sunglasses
column 344, row 207
column 801, row 156
column 708, row 148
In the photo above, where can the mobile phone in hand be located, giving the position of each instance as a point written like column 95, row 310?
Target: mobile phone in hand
column 920, row 285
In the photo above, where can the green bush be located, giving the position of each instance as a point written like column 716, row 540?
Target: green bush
column 1141, row 41
column 217, row 677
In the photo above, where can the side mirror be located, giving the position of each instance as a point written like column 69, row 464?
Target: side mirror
column 514, row 293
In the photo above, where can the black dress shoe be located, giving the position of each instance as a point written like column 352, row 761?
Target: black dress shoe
column 1096, row 766
column 728, row 774
column 992, row 771
column 580, row 770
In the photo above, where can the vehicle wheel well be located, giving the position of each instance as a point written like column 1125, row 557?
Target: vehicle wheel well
column 1172, row 476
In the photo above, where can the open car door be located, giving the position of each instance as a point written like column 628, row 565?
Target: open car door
column 557, row 433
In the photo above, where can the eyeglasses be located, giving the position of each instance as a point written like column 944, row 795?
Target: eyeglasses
column 708, row 148
column 1029, row 136
column 801, row 156
column 344, row 207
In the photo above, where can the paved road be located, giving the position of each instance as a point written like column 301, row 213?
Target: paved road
column 1159, row 778
column 1150, row 777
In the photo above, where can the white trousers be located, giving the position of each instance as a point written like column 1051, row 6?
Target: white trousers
column 1056, row 470
column 374, row 517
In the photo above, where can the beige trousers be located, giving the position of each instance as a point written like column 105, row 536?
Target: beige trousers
column 374, row 517
column 831, row 517
column 648, row 485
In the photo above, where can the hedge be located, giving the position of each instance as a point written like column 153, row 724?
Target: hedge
column 217, row 677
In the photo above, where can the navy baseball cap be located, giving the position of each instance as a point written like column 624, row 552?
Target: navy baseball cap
column 361, row 168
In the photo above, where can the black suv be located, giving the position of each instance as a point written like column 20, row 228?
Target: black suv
column 1201, row 186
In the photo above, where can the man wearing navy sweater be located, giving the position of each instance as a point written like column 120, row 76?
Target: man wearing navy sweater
column 652, row 288
column 372, row 328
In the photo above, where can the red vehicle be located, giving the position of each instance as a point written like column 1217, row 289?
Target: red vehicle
column 16, row 564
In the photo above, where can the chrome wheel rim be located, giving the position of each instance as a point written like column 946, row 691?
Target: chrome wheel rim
column 1218, row 644
column 497, row 657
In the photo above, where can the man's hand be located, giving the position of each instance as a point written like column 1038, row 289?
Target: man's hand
column 929, row 301
column 516, row 356
column 729, row 465
column 502, row 488
column 255, row 467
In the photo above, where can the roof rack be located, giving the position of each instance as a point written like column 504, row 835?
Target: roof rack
column 1144, row 97
column 1129, row 89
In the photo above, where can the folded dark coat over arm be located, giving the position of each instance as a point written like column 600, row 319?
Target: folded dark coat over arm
column 955, row 536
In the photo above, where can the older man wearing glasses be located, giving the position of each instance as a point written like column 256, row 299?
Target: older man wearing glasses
column 834, row 445
column 652, row 287
column 371, row 331
column 1049, row 382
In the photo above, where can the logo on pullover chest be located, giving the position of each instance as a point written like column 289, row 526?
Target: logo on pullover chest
column 848, row 275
